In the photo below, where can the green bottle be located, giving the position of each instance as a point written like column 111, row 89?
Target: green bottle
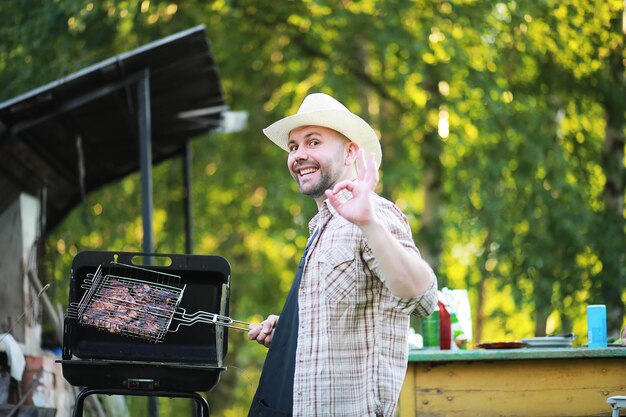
column 430, row 330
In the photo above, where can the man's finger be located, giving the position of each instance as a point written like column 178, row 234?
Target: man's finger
column 361, row 165
column 254, row 332
column 372, row 172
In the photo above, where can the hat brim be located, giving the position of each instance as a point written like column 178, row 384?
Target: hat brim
column 348, row 124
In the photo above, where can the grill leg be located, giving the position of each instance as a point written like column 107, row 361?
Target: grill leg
column 202, row 404
column 80, row 399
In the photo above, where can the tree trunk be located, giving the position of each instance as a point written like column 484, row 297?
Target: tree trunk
column 478, row 312
column 541, row 318
column 613, row 247
column 613, row 251
column 431, row 231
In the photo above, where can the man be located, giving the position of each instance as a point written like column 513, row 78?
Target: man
column 340, row 346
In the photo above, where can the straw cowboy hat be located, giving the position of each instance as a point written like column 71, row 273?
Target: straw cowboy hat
column 320, row 109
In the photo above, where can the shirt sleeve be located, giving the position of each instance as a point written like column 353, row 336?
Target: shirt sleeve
column 397, row 224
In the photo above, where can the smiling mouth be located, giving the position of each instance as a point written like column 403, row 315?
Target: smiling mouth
column 306, row 171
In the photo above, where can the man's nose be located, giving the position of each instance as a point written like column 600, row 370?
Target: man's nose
column 300, row 154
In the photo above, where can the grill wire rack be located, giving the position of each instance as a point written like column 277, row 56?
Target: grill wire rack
column 139, row 302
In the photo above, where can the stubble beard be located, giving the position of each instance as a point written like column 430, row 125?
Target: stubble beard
column 317, row 191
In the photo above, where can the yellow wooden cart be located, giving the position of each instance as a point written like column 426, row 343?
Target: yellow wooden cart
column 526, row 382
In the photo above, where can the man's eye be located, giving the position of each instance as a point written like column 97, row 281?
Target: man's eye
column 315, row 142
column 292, row 148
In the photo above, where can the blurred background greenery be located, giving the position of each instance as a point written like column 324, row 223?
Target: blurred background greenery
column 502, row 128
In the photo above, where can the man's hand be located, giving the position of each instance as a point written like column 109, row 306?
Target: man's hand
column 358, row 209
column 264, row 331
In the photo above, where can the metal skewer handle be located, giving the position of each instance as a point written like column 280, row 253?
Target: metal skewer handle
column 181, row 318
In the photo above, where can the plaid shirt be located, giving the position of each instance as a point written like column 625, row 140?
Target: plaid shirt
column 352, row 349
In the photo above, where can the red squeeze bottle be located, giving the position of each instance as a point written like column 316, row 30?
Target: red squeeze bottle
column 445, row 332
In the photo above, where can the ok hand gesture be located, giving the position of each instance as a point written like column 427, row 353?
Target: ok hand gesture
column 358, row 209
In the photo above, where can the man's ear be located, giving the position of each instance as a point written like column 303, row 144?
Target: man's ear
column 352, row 150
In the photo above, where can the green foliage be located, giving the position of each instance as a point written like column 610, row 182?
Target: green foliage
column 495, row 121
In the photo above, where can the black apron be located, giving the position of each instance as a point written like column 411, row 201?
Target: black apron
column 274, row 395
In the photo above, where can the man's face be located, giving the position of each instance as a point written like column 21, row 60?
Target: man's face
column 318, row 159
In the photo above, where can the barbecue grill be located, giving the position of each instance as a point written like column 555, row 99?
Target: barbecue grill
column 141, row 329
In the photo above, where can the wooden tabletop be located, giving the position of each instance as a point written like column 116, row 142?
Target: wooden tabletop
column 513, row 354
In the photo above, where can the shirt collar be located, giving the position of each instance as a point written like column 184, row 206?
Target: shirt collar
column 327, row 211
